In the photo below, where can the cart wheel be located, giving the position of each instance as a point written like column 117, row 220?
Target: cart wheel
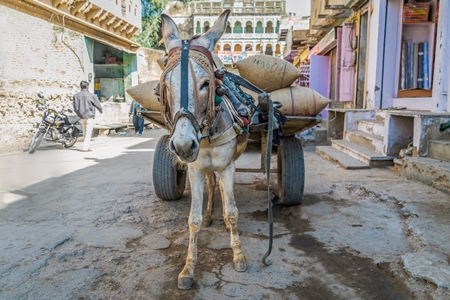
column 291, row 171
column 168, row 179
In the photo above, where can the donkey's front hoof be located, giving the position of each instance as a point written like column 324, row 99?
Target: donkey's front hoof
column 240, row 265
column 185, row 283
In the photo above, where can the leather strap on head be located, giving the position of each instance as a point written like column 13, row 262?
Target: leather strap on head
column 184, row 74
column 200, row 49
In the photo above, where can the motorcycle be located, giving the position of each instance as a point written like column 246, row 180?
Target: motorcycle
column 55, row 126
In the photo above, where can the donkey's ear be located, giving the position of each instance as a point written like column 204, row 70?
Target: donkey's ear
column 212, row 36
column 170, row 32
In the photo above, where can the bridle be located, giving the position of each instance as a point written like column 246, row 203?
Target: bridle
column 182, row 56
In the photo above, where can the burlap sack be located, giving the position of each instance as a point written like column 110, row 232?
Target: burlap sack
column 268, row 72
column 144, row 94
column 161, row 61
column 300, row 101
column 296, row 100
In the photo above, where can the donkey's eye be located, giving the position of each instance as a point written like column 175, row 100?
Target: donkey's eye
column 205, row 85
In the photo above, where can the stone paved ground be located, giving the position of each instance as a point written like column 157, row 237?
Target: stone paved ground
column 88, row 226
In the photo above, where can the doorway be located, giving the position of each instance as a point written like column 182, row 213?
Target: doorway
column 362, row 55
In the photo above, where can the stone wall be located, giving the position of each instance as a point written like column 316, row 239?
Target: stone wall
column 36, row 56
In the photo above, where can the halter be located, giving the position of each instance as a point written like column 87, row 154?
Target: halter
column 182, row 55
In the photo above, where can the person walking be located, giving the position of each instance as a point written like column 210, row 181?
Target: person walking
column 84, row 104
column 138, row 120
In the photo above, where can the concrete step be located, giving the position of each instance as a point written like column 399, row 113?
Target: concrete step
column 439, row 150
column 340, row 158
column 372, row 127
column 380, row 115
column 370, row 141
column 370, row 157
column 429, row 171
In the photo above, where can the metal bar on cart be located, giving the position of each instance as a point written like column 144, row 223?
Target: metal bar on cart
column 246, row 170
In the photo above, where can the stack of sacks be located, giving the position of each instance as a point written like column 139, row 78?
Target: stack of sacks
column 272, row 74
column 275, row 76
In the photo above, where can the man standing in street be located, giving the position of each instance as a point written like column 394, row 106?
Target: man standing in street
column 84, row 105
column 138, row 120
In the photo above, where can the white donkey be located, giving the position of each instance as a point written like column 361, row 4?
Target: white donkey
column 189, row 123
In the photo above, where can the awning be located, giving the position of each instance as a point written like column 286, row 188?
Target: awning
column 291, row 56
column 326, row 44
column 296, row 61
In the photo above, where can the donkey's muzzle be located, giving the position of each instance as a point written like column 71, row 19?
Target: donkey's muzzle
column 184, row 142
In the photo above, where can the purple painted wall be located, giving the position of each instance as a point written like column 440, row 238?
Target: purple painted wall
column 320, row 76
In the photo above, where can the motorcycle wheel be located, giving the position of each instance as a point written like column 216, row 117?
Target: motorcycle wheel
column 35, row 142
column 70, row 142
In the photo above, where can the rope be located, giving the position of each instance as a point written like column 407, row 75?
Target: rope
column 232, row 110
column 269, row 200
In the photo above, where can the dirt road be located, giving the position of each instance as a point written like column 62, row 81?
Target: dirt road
column 78, row 225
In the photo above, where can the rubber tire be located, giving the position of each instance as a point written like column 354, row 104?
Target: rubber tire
column 291, row 171
column 71, row 143
column 168, row 181
column 35, row 141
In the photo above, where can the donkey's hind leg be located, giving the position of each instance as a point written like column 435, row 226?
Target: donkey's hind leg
column 211, row 181
column 231, row 216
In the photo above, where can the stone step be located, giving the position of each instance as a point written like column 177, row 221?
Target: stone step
column 372, row 127
column 439, row 150
column 370, row 141
column 430, row 171
column 340, row 158
column 367, row 156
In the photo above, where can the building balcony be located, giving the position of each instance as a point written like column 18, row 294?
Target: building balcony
column 259, row 36
column 118, row 18
column 275, row 7
column 323, row 12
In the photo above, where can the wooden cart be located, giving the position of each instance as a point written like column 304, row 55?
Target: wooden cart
column 290, row 161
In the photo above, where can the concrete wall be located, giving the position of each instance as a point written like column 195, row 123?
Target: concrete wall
column 33, row 59
column 147, row 66
column 375, row 54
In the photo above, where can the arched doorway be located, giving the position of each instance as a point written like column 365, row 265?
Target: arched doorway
column 237, row 27
column 217, row 48
column 248, row 27
column 227, row 47
column 248, row 47
column 198, row 29
column 258, row 48
column 269, row 27
column 206, row 26
column 259, row 28
column 228, row 30
column 269, row 50
column 277, row 49
column 237, row 48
